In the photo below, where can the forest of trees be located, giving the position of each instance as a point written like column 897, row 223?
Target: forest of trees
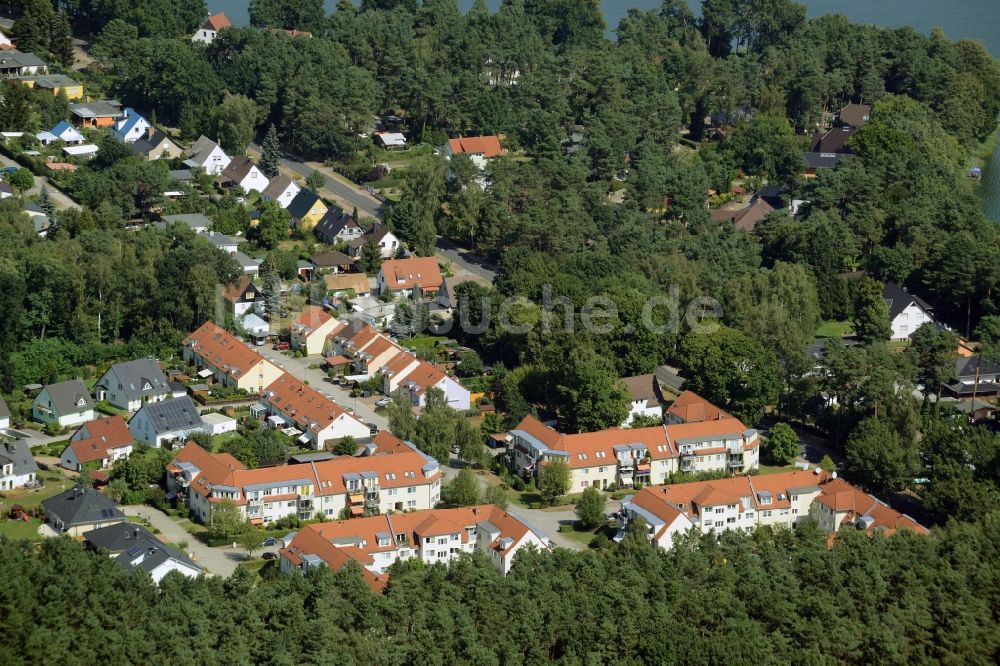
column 770, row 598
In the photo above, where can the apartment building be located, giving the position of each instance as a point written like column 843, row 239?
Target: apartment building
column 288, row 402
column 310, row 330
column 218, row 354
column 438, row 535
column 748, row 501
column 624, row 457
column 392, row 475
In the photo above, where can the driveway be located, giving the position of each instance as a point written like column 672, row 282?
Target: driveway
column 465, row 260
column 220, row 561
column 59, row 198
column 338, row 188
column 299, row 368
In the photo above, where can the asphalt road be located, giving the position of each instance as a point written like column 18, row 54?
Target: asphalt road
column 299, row 368
column 340, row 189
column 464, row 259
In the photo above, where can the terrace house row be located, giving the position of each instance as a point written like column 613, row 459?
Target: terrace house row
column 438, row 535
column 391, row 475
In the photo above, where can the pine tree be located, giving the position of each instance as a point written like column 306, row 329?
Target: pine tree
column 46, row 204
column 270, row 153
column 61, row 42
column 272, row 293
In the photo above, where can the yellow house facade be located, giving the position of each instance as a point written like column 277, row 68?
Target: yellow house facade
column 306, row 210
column 56, row 83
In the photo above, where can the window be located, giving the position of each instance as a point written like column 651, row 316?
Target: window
column 583, row 484
column 442, row 541
column 795, row 511
column 708, row 523
column 719, row 509
column 289, row 504
column 732, row 506
column 585, row 470
column 767, row 514
column 795, row 498
column 411, row 490
column 730, row 520
column 600, row 470
column 392, row 492
column 411, row 504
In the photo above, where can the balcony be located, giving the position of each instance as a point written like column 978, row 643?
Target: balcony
column 736, row 461
column 687, row 464
column 305, row 505
column 626, row 466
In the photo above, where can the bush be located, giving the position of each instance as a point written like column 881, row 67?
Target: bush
column 600, row 542
column 518, row 484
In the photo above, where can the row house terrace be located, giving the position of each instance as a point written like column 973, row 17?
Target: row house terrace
column 439, row 535
column 391, row 476
column 743, row 503
column 288, row 402
column 218, row 354
column 625, row 457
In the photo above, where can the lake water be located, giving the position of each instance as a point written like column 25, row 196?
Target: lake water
column 972, row 19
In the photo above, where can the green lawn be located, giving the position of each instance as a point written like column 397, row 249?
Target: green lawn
column 834, row 329
column 20, row 529
column 54, row 483
column 585, row 536
column 775, row 469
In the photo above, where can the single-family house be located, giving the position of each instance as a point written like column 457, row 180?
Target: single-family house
column 243, row 173
column 415, row 276
column 337, row 226
column 98, row 443
column 282, row 189
column 197, row 222
column 241, row 297
column 390, row 140
column 447, row 298
column 6, row 191
column 80, row 510
column 160, row 423
column 217, row 353
column 207, row 155
column 745, row 502
column 130, row 127
column 645, row 399
column 479, row 148
column 14, row 63
column 135, row 548
column 975, row 377
column 855, row 115
column 745, row 219
column 95, row 113
column 64, row 404
column 55, row 84
column 347, row 282
column 379, row 235
column 321, row 421
column 156, row 145
column 227, row 244
column 432, row 536
column 306, row 210
column 209, row 30
column 250, row 265
column 420, row 380
column 67, row 133
column 906, row 313
column 391, row 476
column 17, row 467
column 332, row 261
column 689, row 407
column 310, row 330
column 131, row 384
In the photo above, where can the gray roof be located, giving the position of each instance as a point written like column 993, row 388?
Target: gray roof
column 171, row 415
column 301, row 204
column 139, row 378
column 220, row 240
column 18, row 452
column 81, row 506
column 334, row 222
column 66, row 397
column 182, row 175
column 120, row 537
column 15, row 57
column 200, row 149
column 666, row 377
column 97, row 108
column 898, row 300
column 194, row 220
column 823, row 160
column 277, row 186
column 311, row 457
column 966, row 367
column 246, row 261
column 146, row 552
column 149, row 141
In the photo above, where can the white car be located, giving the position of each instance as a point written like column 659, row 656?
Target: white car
column 383, row 402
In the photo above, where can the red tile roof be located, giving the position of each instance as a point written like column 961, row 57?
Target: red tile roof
column 304, row 405
column 487, row 146
column 692, row 408
column 223, row 351
column 420, row 272
column 424, row 377
column 217, row 22
column 94, row 439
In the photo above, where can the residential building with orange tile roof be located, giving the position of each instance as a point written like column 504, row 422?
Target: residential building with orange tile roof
column 396, row 370
column 622, row 457
column 209, row 30
column 746, row 502
column 217, row 353
column 241, row 296
column 371, row 359
column 310, row 330
column 391, row 475
column 437, row 535
column 353, row 338
column 689, row 407
column 101, row 441
column 320, row 420
column 420, row 380
column 479, row 148
column 399, row 276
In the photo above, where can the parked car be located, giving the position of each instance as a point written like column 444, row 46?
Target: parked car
column 270, row 555
column 383, row 402
column 281, row 346
column 270, row 541
column 372, row 428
